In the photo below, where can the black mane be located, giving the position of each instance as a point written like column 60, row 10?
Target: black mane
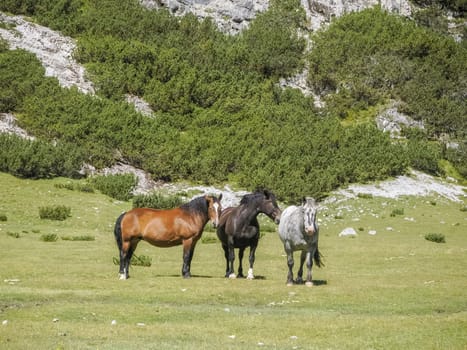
column 197, row 205
column 255, row 196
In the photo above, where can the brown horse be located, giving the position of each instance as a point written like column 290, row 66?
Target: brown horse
column 166, row 228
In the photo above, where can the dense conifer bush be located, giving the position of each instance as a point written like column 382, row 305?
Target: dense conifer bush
column 156, row 201
column 119, row 186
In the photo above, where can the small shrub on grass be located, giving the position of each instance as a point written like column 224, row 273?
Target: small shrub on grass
column 3, row 217
column 78, row 238
column 365, row 195
column 397, row 211
column 13, row 234
column 76, row 187
column 435, row 237
column 58, row 212
column 67, row 186
column 156, row 201
column 51, row 237
column 142, row 260
column 463, row 208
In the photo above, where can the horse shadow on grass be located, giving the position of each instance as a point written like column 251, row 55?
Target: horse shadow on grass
column 316, row 283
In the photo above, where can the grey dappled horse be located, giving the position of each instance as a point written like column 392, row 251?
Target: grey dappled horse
column 239, row 228
column 298, row 230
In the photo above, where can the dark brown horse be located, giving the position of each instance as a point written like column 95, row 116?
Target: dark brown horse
column 166, row 228
column 238, row 228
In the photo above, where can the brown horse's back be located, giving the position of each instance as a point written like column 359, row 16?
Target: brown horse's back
column 162, row 228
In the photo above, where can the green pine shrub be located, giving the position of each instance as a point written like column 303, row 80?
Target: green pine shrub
column 57, row 212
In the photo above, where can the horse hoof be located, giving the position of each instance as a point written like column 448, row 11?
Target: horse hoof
column 250, row 275
column 122, row 277
column 289, row 284
column 309, row 284
column 232, row 276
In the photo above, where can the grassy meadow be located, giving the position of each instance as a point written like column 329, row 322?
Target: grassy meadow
column 391, row 289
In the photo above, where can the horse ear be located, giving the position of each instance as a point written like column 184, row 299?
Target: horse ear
column 220, row 197
column 303, row 200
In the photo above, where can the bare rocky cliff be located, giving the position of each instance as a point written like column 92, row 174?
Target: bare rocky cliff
column 235, row 15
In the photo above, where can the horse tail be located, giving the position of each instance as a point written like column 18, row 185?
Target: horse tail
column 318, row 258
column 118, row 231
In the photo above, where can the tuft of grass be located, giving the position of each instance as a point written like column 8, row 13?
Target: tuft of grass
column 397, row 211
column 136, row 260
column 365, row 195
column 435, row 237
column 3, row 217
column 78, row 238
column 57, row 212
column 49, row 237
column 13, row 234
column 82, row 187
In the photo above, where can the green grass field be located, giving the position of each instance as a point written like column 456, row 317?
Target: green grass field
column 390, row 290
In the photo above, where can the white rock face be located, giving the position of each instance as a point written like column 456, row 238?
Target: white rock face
column 230, row 16
column 8, row 124
column 54, row 50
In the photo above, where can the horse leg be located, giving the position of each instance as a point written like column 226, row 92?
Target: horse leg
column 290, row 263
column 309, row 265
column 123, row 265
column 231, row 258
column 128, row 248
column 226, row 255
column 188, row 250
column 240, row 258
column 250, row 275
column 299, row 279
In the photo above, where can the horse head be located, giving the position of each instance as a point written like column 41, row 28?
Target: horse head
column 269, row 206
column 310, row 209
column 214, row 209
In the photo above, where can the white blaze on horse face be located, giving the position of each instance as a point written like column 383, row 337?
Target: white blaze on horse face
column 216, row 208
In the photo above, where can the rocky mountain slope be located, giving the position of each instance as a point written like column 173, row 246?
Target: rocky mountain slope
column 233, row 16
column 56, row 54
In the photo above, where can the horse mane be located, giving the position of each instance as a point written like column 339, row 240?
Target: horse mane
column 197, row 205
column 250, row 197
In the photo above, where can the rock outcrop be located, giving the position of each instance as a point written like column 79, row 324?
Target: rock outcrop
column 235, row 15
column 230, row 16
column 54, row 50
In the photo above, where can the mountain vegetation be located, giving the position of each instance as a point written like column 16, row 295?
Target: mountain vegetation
column 219, row 113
